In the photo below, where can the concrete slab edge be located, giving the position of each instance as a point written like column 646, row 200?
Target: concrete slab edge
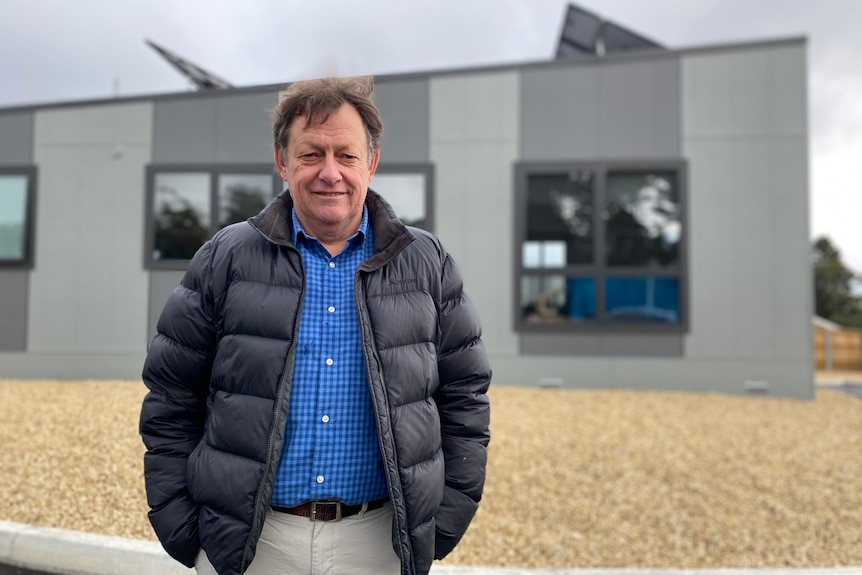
column 69, row 552
column 66, row 552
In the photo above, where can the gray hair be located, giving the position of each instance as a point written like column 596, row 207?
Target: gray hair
column 317, row 99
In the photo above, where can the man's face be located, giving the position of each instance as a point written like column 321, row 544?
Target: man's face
column 327, row 169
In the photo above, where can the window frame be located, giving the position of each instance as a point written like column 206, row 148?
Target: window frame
column 27, row 259
column 599, row 269
column 213, row 171
column 424, row 169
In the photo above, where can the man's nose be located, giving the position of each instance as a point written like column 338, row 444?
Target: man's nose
column 329, row 171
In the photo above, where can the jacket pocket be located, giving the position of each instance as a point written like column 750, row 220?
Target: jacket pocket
column 191, row 465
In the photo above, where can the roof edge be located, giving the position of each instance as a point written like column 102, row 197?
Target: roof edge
column 634, row 56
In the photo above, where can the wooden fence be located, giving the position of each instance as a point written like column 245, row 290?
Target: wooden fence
column 846, row 349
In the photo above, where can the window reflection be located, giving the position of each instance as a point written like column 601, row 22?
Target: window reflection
column 642, row 300
column 181, row 206
column 544, row 254
column 241, row 196
column 406, row 194
column 557, row 299
column 13, row 217
column 643, row 219
column 602, row 246
column 560, row 209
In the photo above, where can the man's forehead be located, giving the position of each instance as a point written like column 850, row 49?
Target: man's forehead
column 339, row 125
column 346, row 134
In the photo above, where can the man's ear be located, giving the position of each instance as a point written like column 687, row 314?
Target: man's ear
column 279, row 162
column 375, row 159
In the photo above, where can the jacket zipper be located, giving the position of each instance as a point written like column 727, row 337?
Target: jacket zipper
column 269, row 473
column 370, row 353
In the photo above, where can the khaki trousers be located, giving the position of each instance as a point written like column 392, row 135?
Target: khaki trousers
column 290, row 545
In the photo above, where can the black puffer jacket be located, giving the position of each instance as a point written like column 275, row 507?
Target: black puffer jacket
column 219, row 373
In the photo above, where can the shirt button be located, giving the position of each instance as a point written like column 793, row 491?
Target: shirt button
column 332, row 264
column 320, row 479
column 330, row 309
column 329, row 361
column 325, row 419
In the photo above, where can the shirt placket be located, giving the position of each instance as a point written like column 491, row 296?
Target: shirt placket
column 329, row 368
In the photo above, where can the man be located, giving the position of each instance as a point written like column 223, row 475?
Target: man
column 317, row 384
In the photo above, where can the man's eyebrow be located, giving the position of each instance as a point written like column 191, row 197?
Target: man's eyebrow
column 317, row 144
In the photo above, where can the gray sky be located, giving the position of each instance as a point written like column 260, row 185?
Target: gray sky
column 60, row 50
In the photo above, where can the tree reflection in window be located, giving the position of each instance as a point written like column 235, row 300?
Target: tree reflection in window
column 560, row 209
column 601, row 246
column 181, row 209
column 242, row 196
column 643, row 219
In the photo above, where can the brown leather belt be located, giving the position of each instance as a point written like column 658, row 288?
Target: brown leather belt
column 329, row 510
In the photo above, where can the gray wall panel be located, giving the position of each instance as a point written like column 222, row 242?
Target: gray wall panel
column 570, row 372
column 755, row 92
column 13, row 310
column 72, row 365
column 560, row 114
column 744, row 133
column 16, row 138
column 404, row 107
column 639, row 110
column 184, row 131
column 224, row 129
column 712, row 272
column 636, row 345
column 786, row 378
column 244, row 128
column 618, row 111
column 88, row 290
column 162, row 283
column 474, row 136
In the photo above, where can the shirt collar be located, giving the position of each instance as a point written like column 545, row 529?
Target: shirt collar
column 362, row 232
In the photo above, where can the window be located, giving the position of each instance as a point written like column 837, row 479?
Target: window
column 17, row 209
column 601, row 247
column 407, row 187
column 186, row 205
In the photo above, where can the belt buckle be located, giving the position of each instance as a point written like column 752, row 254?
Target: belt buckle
column 313, row 513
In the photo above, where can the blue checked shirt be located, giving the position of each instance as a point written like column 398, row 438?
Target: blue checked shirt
column 330, row 446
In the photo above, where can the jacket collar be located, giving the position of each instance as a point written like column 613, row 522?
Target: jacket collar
column 275, row 223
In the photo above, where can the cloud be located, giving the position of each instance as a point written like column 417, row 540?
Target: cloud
column 51, row 50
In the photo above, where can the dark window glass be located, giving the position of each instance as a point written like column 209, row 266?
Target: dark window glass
column 643, row 219
column 642, row 300
column 13, row 217
column 406, row 193
column 557, row 299
column 181, row 209
column 560, row 211
column 601, row 247
column 242, row 196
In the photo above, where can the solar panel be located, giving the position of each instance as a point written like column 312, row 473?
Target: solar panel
column 586, row 34
column 202, row 79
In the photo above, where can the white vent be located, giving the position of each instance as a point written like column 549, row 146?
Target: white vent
column 756, row 386
column 551, row 382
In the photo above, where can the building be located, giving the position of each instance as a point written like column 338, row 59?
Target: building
column 632, row 220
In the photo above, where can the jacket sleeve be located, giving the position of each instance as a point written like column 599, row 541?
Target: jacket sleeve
column 177, row 372
column 464, row 410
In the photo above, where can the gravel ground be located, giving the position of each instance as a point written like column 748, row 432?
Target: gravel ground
column 576, row 479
